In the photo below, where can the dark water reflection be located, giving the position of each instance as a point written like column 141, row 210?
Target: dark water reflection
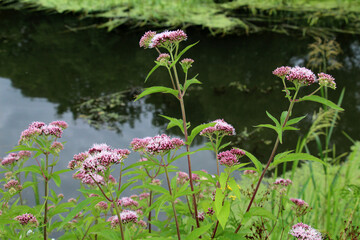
column 46, row 70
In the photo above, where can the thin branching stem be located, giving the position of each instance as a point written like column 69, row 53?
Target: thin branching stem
column 271, row 156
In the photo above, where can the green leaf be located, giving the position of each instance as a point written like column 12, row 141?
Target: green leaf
column 256, row 162
column 219, row 197
column 32, row 168
column 294, row 120
column 197, row 130
column 316, row 98
column 181, row 53
column 62, row 171
column 295, row 157
column 258, row 211
column 273, row 119
column 224, row 214
column 157, row 89
column 283, row 116
column 198, row 231
column 56, row 179
column 7, row 221
column 235, row 188
column 157, row 188
column 151, row 71
column 190, row 82
column 222, row 180
column 174, row 122
column 79, row 207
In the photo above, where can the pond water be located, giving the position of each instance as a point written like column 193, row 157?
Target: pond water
column 48, row 68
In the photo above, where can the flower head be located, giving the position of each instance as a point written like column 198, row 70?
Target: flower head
column 231, row 157
column 95, row 161
column 54, row 129
column 102, row 206
column 163, row 59
column 182, row 178
column 282, row 71
column 13, row 184
column 299, row 202
column 221, row 127
column 326, row 80
column 305, row 232
column 57, row 146
column 27, row 218
column 126, row 216
column 127, row 202
column 162, row 144
column 167, row 38
column 146, row 39
column 283, row 182
column 301, row 75
column 186, row 63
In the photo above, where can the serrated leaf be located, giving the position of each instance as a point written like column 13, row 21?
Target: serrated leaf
column 295, row 157
column 316, row 98
column 282, row 118
column 181, row 53
column 56, row 179
column 235, row 188
column 294, row 120
column 197, row 130
column 273, row 119
column 80, row 206
column 174, row 122
column 198, row 231
column 151, row 71
column 157, row 89
column 256, row 162
column 190, row 82
column 260, row 212
column 224, row 214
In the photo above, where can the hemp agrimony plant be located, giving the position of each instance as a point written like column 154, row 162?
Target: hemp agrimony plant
column 194, row 204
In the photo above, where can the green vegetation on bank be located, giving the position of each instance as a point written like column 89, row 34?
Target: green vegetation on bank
column 242, row 16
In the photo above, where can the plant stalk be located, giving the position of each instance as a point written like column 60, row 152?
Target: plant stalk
column 172, row 203
column 270, row 158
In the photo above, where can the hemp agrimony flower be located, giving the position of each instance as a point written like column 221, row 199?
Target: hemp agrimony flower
column 221, row 128
column 304, row 232
column 27, row 218
column 326, row 80
column 231, row 157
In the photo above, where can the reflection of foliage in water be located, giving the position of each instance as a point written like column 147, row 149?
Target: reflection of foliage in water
column 111, row 110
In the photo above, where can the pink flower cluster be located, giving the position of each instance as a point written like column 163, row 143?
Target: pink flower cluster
column 27, row 218
column 231, row 157
column 54, row 129
column 282, row 71
column 15, row 157
column 250, row 172
column 221, row 128
column 304, row 232
column 301, row 75
column 95, row 161
column 326, row 80
column 183, row 177
column 283, row 182
column 152, row 40
column 146, row 39
column 102, row 206
column 144, row 196
column 13, row 184
column 160, row 144
column 126, row 216
column 299, row 202
column 127, row 202
column 163, row 58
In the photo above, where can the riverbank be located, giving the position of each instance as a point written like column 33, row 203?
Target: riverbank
column 311, row 17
